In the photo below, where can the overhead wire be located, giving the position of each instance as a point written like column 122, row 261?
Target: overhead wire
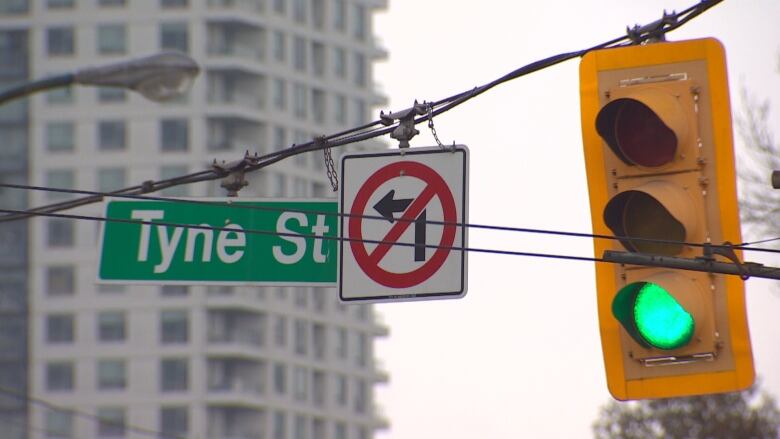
column 367, row 131
column 230, row 203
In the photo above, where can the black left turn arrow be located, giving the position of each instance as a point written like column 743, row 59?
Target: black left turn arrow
column 387, row 206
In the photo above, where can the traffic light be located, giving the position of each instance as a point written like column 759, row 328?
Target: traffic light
column 658, row 148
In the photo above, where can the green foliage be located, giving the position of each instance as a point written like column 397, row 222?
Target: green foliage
column 744, row 415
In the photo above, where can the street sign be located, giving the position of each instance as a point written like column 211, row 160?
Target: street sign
column 402, row 217
column 246, row 242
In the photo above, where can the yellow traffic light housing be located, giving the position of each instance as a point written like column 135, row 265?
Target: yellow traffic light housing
column 658, row 149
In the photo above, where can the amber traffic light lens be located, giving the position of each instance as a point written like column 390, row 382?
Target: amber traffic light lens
column 636, row 214
column 636, row 134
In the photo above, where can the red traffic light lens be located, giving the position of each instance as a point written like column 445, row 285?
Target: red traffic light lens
column 636, row 134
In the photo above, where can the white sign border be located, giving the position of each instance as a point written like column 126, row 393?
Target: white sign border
column 463, row 220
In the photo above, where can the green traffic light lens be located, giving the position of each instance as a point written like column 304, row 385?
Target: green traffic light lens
column 653, row 317
column 661, row 320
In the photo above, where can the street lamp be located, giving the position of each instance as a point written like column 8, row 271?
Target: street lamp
column 158, row 77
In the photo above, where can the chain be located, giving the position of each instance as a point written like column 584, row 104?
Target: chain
column 430, row 125
column 330, row 169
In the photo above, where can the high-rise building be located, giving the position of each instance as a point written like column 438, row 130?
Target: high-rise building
column 81, row 360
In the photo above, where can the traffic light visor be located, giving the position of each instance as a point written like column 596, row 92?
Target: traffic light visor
column 645, row 128
column 657, row 210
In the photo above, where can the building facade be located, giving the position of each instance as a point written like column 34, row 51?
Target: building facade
column 81, row 360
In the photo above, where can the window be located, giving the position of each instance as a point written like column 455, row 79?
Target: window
column 60, row 328
column 281, row 185
column 111, row 422
column 280, row 137
column 280, row 331
column 59, row 376
column 340, row 14
column 318, row 13
column 111, row 39
column 301, row 295
column 59, row 232
column 341, row 343
column 319, row 341
column 299, row 11
column 340, row 109
column 60, row 179
column 340, row 62
column 174, row 421
column 173, row 3
column 60, row 41
column 174, row 374
column 318, row 388
column 173, row 171
column 279, row 94
column 174, row 326
column 112, row 135
column 174, row 290
column 112, row 374
column 111, row 94
column 317, row 106
column 110, row 288
column 300, row 427
column 60, row 280
column 111, row 326
column 279, row 45
column 280, row 6
column 318, row 58
column 59, row 424
column 111, row 2
column 361, row 397
column 300, row 379
column 361, row 354
column 299, row 100
column 300, row 336
column 299, row 53
column 174, row 135
column 59, row 136
column 359, row 114
column 340, row 431
column 359, row 65
column 341, row 390
column 174, row 36
column 280, row 378
column 280, row 426
column 60, row 95
column 110, row 179
column 59, row 4
column 14, row 6
column 359, row 21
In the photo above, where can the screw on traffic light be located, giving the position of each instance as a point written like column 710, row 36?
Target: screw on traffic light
column 658, row 149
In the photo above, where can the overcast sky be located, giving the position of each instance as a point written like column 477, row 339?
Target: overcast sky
column 520, row 355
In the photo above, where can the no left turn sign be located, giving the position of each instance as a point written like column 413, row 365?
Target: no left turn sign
column 402, row 225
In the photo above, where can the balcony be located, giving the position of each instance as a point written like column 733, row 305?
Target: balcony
column 235, row 423
column 236, row 327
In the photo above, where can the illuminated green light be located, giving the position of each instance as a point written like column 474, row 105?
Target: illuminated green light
column 652, row 316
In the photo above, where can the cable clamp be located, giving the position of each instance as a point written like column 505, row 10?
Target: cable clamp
column 405, row 130
column 234, row 173
column 727, row 251
column 652, row 32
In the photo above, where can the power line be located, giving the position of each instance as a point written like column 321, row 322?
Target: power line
column 231, row 205
column 368, row 131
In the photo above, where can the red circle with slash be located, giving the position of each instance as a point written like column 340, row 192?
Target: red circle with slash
column 435, row 187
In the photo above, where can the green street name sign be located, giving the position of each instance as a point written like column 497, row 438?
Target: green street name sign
column 246, row 242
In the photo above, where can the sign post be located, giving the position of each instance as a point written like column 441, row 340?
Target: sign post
column 246, row 242
column 402, row 225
